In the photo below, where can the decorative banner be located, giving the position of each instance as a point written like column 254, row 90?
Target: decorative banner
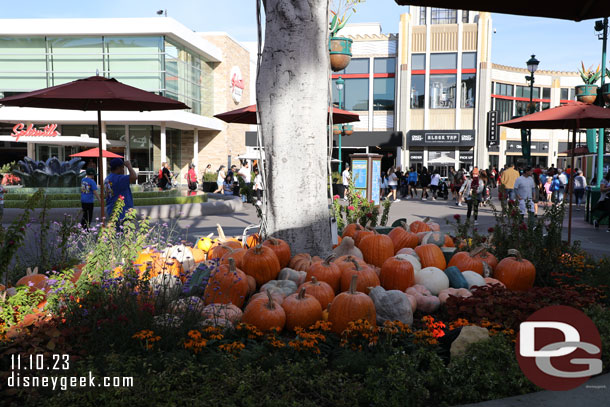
column 492, row 127
column 375, row 187
column 236, row 84
column 20, row 131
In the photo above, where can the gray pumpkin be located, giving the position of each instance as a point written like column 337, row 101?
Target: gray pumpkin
column 391, row 305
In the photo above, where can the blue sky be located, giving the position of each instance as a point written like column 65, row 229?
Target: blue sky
column 558, row 44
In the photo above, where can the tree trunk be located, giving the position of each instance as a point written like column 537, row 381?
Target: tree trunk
column 292, row 98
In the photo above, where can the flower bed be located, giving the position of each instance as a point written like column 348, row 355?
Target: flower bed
column 246, row 325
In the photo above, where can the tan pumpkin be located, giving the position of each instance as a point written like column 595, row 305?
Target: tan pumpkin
column 261, row 263
column 376, row 249
column 281, row 250
column 299, row 277
column 326, row 271
column 402, row 238
column 397, row 274
column 302, row 261
column 229, row 312
column 302, row 310
column 323, row 292
column 367, row 277
column 347, row 247
column 431, row 255
column 265, row 314
column 351, row 306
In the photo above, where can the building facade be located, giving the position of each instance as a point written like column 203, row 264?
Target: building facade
column 160, row 55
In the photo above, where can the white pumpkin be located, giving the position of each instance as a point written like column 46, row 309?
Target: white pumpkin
column 413, row 260
column 433, row 278
column 473, row 279
column 183, row 255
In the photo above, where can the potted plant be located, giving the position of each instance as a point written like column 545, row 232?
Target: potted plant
column 606, row 88
column 208, row 182
column 587, row 93
column 340, row 48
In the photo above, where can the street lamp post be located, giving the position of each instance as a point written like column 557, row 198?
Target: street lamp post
column 601, row 142
column 340, row 83
column 532, row 66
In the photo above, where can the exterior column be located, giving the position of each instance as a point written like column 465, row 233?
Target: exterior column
column 196, row 150
column 163, row 144
column 31, row 152
column 127, row 147
column 105, row 147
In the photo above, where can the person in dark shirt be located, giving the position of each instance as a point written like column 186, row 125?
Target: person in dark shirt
column 117, row 184
column 165, row 181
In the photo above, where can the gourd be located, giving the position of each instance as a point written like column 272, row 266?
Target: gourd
column 397, row 274
column 281, row 250
column 347, row 248
column 473, row 278
column 265, row 314
column 456, row 279
column 456, row 292
column 205, row 243
column 515, row 273
column 433, row 278
column 297, row 276
column 326, row 271
column 284, row 287
column 302, row 310
column 227, row 285
column 376, row 249
column 261, row 263
column 351, row 306
column 492, row 281
column 319, row 289
column 391, row 305
column 431, row 256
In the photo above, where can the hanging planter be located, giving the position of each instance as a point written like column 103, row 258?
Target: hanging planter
column 340, row 49
column 336, row 129
column 348, row 129
column 606, row 92
column 586, row 93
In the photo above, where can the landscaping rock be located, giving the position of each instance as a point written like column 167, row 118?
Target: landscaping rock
column 470, row 334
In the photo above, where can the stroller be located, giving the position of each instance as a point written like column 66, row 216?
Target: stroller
column 443, row 190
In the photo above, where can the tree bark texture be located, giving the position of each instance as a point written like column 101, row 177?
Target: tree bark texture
column 292, row 97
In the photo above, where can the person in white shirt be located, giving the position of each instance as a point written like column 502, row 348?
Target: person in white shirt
column 524, row 191
column 246, row 175
column 346, row 177
column 563, row 179
column 258, row 186
column 580, row 183
column 392, row 184
column 434, row 182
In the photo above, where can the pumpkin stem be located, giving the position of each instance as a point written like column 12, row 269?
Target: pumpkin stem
column 232, row 267
column 353, row 284
column 515, row 252
column 405, row 225
column 271, row 303
column 477, row 251
column 314, row 280
column 329, row 259
column 486, row 269
column 301, row 295
column 426, row 219
column 356, row 265
column 258, row 249
column 273, row 241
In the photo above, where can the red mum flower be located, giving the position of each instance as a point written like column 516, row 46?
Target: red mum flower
column 457, row 217
column 490, row 230
column 369, row 215
column 336, row 197
column 523, row 226
column 351, row 208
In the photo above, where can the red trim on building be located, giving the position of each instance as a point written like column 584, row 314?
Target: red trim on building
column 418, row 72
column 519, row 99
column 363, row 75
column 442, row 71
column 469, row 70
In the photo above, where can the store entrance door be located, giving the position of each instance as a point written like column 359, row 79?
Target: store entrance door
column 44, row 152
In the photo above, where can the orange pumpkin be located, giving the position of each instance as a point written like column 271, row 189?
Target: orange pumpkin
column 235, row 254
column 449, row 241
column 219, row 250
column 467, row 261
column 264, row 313
column 281, row 249
column 397, row 274
column 198, row 255
column 351, row 229
column 33, row 280
column 226, row 285
column 351, row 306
column 359, row 235
column 488, row 258
column 376, row 249
column 367, row 277
column 419, row 226
column 430, row 255
column 146, row 259
column 302, row 310
column 339, row 239
column 401, row 238
column 251, row 284
column 346, row 262
column 302, row 261
column 327, row 272
column 253, row 240
column 323, row 292
column 515, row 273
column 435, row 227
column 278, row 297
column 261, row 263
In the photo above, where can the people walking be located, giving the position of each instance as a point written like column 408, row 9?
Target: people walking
column 434, row 184
column 536, row 194
column 524, row 191
column 563, row 180
column 392, row 184
column 191, row 178
column 548, row 192
column 509, row 176
column 604, row 202
column 220, row 180
column 580, row 183
column 346, row 176
column 245, row 174
column 412, row 180
column 88, row 193
column 555, row 188
column 460, row 179
column 165, row 176
column 471, row 192
column 258, row 186
column 117, row 184
column 425, row 183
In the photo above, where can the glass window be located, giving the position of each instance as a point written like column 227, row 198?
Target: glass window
column 141, row 146
column 464, row 16
column 418, row 62
column 358, row 65
column 521, row 107
column 115, row 132
column 505, row 109
column 504, row 89
column 546, row 93
column 135, row 61
column 469, row 60
column 546, row 105
column 422, row 16
column 383, row 94
column 443, row 16
column 524, row 92
column 418, row 91
column 23, row 63
column 74, row 58
column 442, row 91
column 565, row 94
column 385, row 65
column 78, row 129
column 356, row 94
column 173, row 145
column 469, row 83
column 572, row 94
column 443, row 61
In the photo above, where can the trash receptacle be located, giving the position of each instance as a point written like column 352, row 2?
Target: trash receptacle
column 593, row 194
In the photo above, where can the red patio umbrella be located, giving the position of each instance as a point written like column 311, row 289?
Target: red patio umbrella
column 575, row 10
column 94, row 93
column 247, row 115
column 95, row 153
column 572, row 116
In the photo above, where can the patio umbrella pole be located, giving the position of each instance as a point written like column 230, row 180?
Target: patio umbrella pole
column 101, row 167
column 571, row 186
